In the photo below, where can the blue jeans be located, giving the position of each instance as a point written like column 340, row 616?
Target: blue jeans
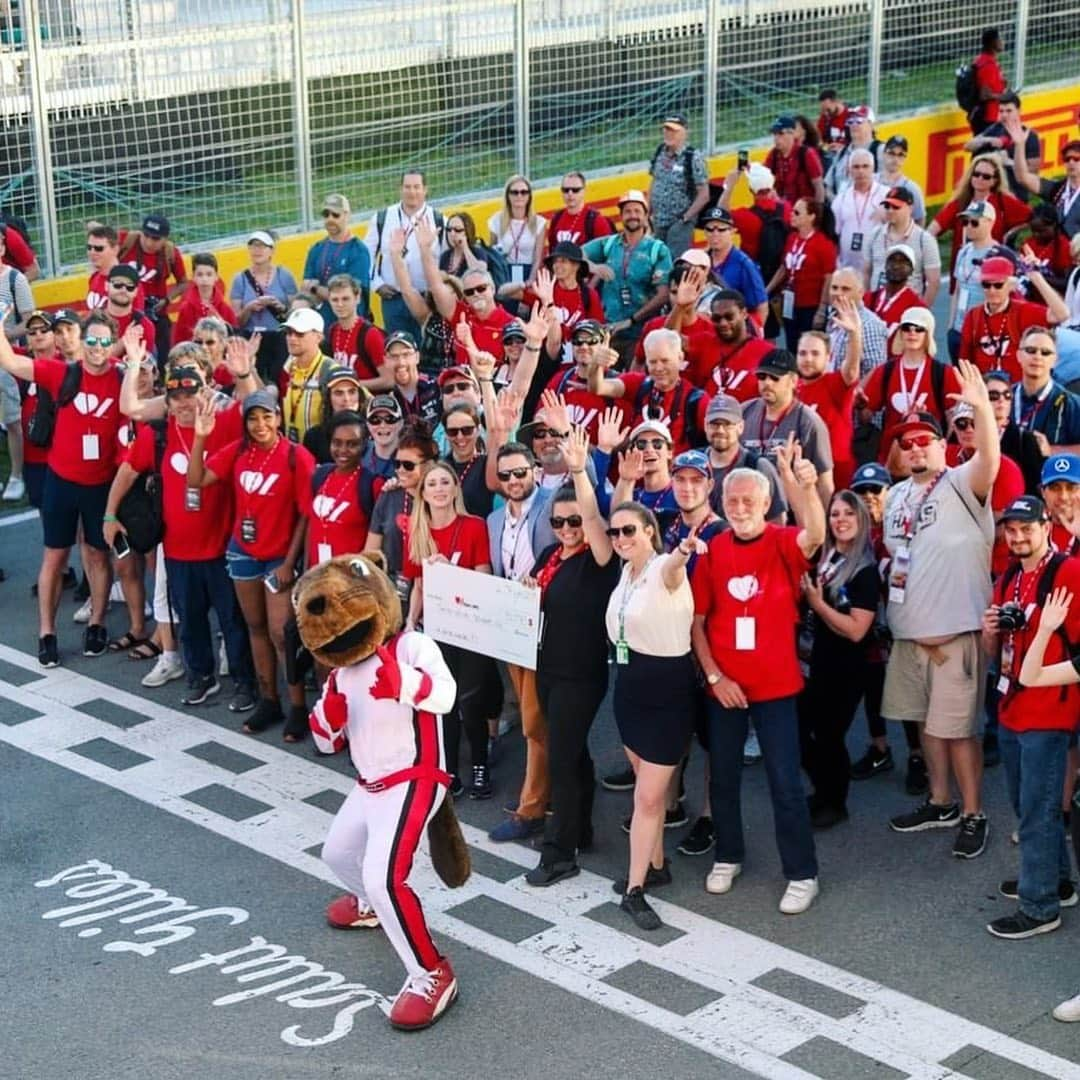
column 195, row 588
column 778, row 733
column 1035, row 763
column 397, row 316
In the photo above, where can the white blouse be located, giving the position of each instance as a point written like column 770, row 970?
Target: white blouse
column 517, row 241
column 655, row 622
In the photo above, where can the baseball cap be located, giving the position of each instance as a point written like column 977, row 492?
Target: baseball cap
column 260, row 236
column 872, row 474
column 718, row 213
column 513, row 331
column 902, row 249
column 564, row 249
column 183, row 380
column 305, row 321
column 896, row 142
column 65, row 315
column 458, row 371
column 917, row 421
column 675, row 120
column 399, row 337
column 384, row 403
column 778, row 362
column 860, row 113
column 918, row 316
column 338, row 203
column 783, row 123
column 633, row 195
column 695, row 257
column 655, row 427
column 260, row 399
column 996, row 268
column 41, row 316
column 693, row 459
column 980, row 209
column 1061, row 467
column 759, row 177
column 587, row 332
column 898, row 195
column 960, row 410
column 340, row 373
column 155, row 226
column 126, row 271
column 1028, row 508
column 723, row 407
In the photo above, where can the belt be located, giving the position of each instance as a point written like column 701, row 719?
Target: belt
column 405, row 776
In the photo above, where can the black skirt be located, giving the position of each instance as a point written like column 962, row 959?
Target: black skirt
column 655, row 707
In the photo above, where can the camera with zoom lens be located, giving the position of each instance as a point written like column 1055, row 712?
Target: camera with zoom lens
column 1011, row 617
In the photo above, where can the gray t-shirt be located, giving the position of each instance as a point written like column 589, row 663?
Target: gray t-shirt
column 778, row 506
column 764, row 436
column 386, row 520
column 948, row 579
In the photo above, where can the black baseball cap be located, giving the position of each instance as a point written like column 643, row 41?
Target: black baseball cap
column 778, row 362
column 565, row 249
column 513, row 331
column 41, row 316
column 399, row 337
column 65, row 315
column 155, row 226
column 1027, row 508
column 717, row 213
column 124, row 270
column 896, row 142
column 588, row 332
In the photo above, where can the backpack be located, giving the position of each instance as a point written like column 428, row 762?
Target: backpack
column 967, row 87
column 13, row 276
column 688, row 168
column 43, row 422
column 365, row 486
column 498, row 266
column 590, row 223
column 380, row 223
column 937, row 381
column 140, row 510
column 10, row 221
column 773, row 240
column 691, row 434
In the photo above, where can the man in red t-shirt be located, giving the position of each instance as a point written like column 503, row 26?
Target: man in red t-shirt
column 832, row 121
column 796, row 167
column 584, row 405
column 575, row 223
column 41, row 345
column 989, row 81
column 121, row 290
column 689, row 280
column 725, row 360
column 746, row 603
column 1036, row 722
column 352, row 341
column 18, row 253
column 102, row 252
column 157, row 259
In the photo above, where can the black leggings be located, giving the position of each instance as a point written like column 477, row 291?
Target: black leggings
column 473, row 674
column 826, row 709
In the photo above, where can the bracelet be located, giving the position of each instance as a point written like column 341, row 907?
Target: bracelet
column 683, row 551
column 576, row 472
column 110, row 519
column 532, row 348
column 244, row 375
column 478, row 379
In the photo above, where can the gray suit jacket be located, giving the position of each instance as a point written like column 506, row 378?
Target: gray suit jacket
column 536, row 521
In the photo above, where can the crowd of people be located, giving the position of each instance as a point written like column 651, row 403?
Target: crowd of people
column 752, row 494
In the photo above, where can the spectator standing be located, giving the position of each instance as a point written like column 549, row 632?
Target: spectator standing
column 832, row 122
column 860, row 125
column 17, row 250
column 518, row 231
column 340, row 252
column 857, row 209
column 463, row 250
column 725, row 359
column 342, row 496
column 341, row 393
column 384, row 421
column 967, row 291
column 1016, row 443
column 418, row 395
column 996, row 137
column 28, row 471
column 733, row 268
column 203, row 297
column 157, row 260
column 796, row 167
column 678, row 186
column 1039, row 404
column 891, row 173
column 353, row 340
column 301, row 380
column 576, row 223
column 845, row 288
column 894, row 296
column 831, row 394
column 802, row 280
column 121, row 289
column 16, row 297
column 260, row 295
column 102, row 252
column 990, row 81
column 900, row 228
column 1063, row 193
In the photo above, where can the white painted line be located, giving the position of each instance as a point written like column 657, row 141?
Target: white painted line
column 749, row 1026
column 18, row 519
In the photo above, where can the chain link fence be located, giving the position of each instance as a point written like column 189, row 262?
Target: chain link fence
column 228, row 115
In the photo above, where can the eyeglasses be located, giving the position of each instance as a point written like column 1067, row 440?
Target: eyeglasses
column 519, row 191
column 645, row 444
column 963, row 423
column 912, row 328
column 95, row 247
column 31, row 331
column 455, row 228
column 408, row 466
column 457, row 387
column 123, row 286
column 382, row 418
column 463, row 432
column 575, row 190
column 984, row 175
column 331, row 213
column 625, row 530
column 1032, row 351
column 717, row 228
column 104, row 342
column 548, row 433
column 922, row 441
column 573, row 520
column 518, row 474
column 999, row 395
column 475, row 290
column 994, row 284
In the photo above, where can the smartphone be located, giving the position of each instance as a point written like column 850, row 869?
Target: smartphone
column 744, row 159
column 121, row 546
column 272, row 583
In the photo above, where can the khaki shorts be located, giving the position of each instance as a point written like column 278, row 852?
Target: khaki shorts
column 10, row 404
column 947, row 697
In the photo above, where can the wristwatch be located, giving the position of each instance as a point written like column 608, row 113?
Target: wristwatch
column 714, row 678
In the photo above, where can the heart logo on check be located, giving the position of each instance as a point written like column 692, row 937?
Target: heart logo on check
column 743, row 588
column 179, row 462
column 86, row 403
column 251, row 481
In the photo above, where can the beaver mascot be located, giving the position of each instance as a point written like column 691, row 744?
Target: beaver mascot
column 384, row 697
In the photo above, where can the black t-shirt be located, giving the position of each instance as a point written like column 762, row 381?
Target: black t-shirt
column 574, row 643
column 390, row 520
column 833, row 653
column 474, row 489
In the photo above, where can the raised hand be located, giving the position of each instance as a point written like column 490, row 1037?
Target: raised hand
column 426, row 233
column 972, row 388
column 536, row 329
column 553, row 407
column 610, row 431
column 205, row 415
column 134, row 345
column 544, row 286
column 482, row 363
column 397, row 239
column 689, row 289
column 463, row 333
column 692, row 544
column 238, row 356
column 1055, row 610
column 846, row 315
column 576, row 448
column 632, row 465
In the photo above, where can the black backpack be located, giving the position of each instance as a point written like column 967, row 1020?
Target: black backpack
column 591, row 216
column 967, row 88
column 380, row 224
column 365, row 486
column 10, row 221
column 773, row 240
column 43, row 423
column 140, row 510
column 498, row 266
column 937, row 381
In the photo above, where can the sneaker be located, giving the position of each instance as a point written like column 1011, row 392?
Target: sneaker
column 481, row 783
column 516, row 828
column 200, row 690
column 699, row 840
column 223, row 656
column 654, row 878
column 1066, row 892
column 1019, row 926
column 164, row 671
column 266, row 714
column 872, row 763
column 457, row 788
column 618, row 781
column 242, row 700
column 798, row 896
column 926, row 816
column 916, row 782
column 47, row 653
column 82, row 614
column 116, row 593
column 550, row 873
column 673, row 819
column 345, row 913
column 14, row 489
column 95, row 640
column 424, row 998
column 1068, row 1012
column 970, row 841
column 721, row 877
column 991, row 751
column 637, row 907
column 751, row 754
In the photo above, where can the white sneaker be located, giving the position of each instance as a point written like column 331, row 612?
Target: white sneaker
column 14, row 489
column 116, row 593
column 721, row 877
column 1068, row 1011
column 223, row 656
column 798, row 896
column 164, row 670
column 751, row 754
column 83, row 613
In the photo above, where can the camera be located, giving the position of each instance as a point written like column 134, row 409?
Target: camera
column 1011, row 617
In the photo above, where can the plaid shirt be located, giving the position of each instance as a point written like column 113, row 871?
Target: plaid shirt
column 874, row 343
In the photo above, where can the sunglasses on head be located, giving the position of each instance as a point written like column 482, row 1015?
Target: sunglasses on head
column 95, row 247
column 624, row 530
column 963, row 423
column 475, row 290
column 924, row 440
column 456, row 387
column 567, row 190
column 104, row 342
column 1031, row 350
column 408, row 466
column 184, row 385
column 462, row 432
column 126, row 286
column 912, row 328
column 646, row 444
column 382, row 418
column 548, row 433
column 573, row 520
column 999, row 395
column 518, row 474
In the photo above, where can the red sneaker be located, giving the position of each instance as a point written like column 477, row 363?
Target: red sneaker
column 423, row 1000
column 345, row 913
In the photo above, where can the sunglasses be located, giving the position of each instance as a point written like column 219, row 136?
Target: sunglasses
column 463, row 432
column 454, row 228
column 1066, row 159
column 331, row 213
column 104, row 342
column 999, row 395
column 912, row 328
column 984, row 175
column 123, row 286
column 382, row 418
column 645, row 444
column 32, row 330
column 717, row 228
column 95, row 247
column 994, row 284
column 575, row 190
column 871, row 489
column 475, row 290
column 768, row 376
column 185, row 384
column 518, row 474
column 457, row 387
column 970, row 223
column 548, row 433
column 922, row 441
column 585, row 341
column 573, row 520
column 205, row 341
column 1032, row 351
column 408, row 466
column 625, row 530
column 963, row 423
column 519, row 191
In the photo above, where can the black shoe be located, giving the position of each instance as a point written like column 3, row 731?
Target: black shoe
column 699, row 840
column 825, row 817
column 926, row 816
column 47, row 653
column 1019, row 926
column 971, row 839
column 637, row 907
column 618, row 781
column 916, row 782
column 266, row 714
column 481, row 783
column 1066, row 892
column 242, row 700
column 95, row 640
column 673, row 819
column 457, row 788
column 296, row 726
column 654, row 877
column 550, row 873
column 82, row 590
column 872, row 763
column 200, row 690
column 991, row 753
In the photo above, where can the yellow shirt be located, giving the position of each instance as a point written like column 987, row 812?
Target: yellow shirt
column 302, row 407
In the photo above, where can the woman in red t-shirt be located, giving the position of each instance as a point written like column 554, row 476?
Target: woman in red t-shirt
column 337, row 521
column 441, row 531
column 271, row 480
column 205, row 295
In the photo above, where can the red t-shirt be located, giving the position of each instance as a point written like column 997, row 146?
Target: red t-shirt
column 337, row 524
column 576, row 228
column 749, row 223
column 1010, row 213
column 795, row 173
column 487, row 332
column 809, row 260
column 1064, row 540
column 1008, row 485
column 573, row 305
column 346, row 348
column 154, row 270
column 730, row 368
column 464, row 542
column 1048, row 708
column 988, row 75
column 84, row 440
column 832, row 399
column 192, row 309
column 272, row 488
column 756, row 579
column 833, row 129
column 583, row 406
column 889, row 309
column 991, row 341
column 149, row 332
column 696, row 337
column 661, row 405
column 18, row 252
column 190, row 535
column 97, row 292
column 908, row 391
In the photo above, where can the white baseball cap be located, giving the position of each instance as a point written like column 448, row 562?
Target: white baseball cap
column 760, row 177
column 305, row 320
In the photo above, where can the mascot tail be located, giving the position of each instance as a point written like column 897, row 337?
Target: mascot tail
column 449, row 853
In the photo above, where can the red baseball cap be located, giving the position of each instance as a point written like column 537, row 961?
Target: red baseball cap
column 916, row 421
column 996, row 268
column 457, row 372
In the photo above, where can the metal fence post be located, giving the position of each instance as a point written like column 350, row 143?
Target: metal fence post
column 301, row 117
column 33, row 21
column 1023, row 11
column 873, row 71
column 521, row 88
column 711, row 73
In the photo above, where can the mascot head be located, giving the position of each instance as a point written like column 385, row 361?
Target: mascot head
column 346, row 608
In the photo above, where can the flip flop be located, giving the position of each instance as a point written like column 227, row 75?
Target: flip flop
column 145, row 649
column 127, row 641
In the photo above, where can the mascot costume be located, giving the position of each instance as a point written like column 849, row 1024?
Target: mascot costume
column 384, row 697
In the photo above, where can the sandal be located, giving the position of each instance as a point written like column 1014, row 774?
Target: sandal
column 145, row 649
column 128, row 641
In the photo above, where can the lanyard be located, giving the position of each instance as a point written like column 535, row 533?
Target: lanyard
column 628, row 254
column 775, row 424
column 1067, row 198
column 516, row 531
column 831, row 569
column 909, row 395
column 515, row 241
column 796, row 253
column 628, row 592
column 1026, row 420
column 912, row 518
column 1033, row 580
column 859, row 214
column 884, row 302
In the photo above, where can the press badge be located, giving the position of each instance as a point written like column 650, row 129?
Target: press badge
column 856, row 241
column 898, row 575
column 324, row 553
column 1008, row 653
column 247, row 530
column 192, row 499
column 625, row 298
column 622, row 652
column 745, row 633
column 91, row 448
column 962, row 298
column 787, row 304
column 294, row 434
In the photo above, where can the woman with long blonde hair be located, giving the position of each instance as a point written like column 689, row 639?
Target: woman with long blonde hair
column 518, row 231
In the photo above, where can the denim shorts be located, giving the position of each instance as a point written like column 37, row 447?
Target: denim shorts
column 240, row 566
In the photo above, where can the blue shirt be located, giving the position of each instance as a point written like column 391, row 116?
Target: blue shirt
column 1053, row 411
column 329, row 257
column 739, row 271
